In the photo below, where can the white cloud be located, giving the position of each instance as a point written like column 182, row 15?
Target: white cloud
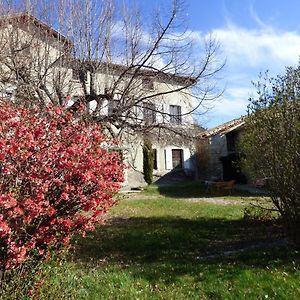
column 231, row 105
column 257, row 19
column 233, row 102
column 249, row 52
column 259, row 47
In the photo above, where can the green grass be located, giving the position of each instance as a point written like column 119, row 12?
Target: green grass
column 164, row 248
column 196, row 189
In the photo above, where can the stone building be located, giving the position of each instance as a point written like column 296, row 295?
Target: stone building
column 222, row 150
column 46, row 68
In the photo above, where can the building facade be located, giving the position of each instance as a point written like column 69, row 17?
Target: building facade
column 46, row 69
column 223, row 154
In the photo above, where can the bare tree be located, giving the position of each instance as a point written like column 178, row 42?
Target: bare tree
column 33, row 57
column 122, row 64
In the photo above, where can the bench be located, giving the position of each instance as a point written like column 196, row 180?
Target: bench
column 220, row 186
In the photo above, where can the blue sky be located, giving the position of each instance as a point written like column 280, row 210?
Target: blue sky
column 254, row 36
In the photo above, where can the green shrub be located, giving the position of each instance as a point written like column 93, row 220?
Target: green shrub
column 271, row 144
column 258, row 214
column 31, row 280
column 148, row 161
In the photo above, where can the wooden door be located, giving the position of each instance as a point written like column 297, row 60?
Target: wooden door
column 177, row 158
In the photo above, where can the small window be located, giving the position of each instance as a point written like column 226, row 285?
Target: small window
column 79, row 75
column 148, row 83
column 175, row 114
column 113, row 107
column 155, row 159
column 22, row 73
column 231, row 139
column 149, row 112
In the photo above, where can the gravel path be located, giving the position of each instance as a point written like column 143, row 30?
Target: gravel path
column 219, row 201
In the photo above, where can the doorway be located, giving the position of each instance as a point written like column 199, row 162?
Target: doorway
column 177, row 158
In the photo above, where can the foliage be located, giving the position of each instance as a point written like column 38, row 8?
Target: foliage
column 28, row 282
column 272, row 141
column 56, row 179
column 258, row 214
column 148, row 161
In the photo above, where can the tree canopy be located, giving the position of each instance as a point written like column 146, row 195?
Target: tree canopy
column 271, row 143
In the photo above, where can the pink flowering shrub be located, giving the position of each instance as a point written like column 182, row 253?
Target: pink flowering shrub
column 57, row 177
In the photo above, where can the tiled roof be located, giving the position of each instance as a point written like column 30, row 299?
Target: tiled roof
column 225, row 127
column 26, row 17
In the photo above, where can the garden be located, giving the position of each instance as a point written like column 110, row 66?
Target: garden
column 172, row 243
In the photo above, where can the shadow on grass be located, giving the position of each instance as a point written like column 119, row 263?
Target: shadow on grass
column 166, row 247
column 197, row 189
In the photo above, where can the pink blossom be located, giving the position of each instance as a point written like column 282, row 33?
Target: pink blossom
column 54, row 180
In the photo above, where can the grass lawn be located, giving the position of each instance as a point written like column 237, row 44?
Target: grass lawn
column 160, row 246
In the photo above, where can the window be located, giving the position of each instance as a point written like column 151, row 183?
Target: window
column 79, row 75
column 22, row 73
column 149, row 113
column 175, row 114
column 155, row 159
column 74, row 99
column 148, row 83
column 231, row 139
column 112, row 107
